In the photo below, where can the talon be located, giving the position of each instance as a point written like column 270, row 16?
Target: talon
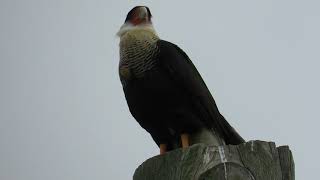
column 185, row 140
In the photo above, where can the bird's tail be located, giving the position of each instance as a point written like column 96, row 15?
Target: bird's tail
column 229, row 134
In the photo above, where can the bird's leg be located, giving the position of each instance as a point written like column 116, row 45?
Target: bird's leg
column 163, row 148
column 185, row 140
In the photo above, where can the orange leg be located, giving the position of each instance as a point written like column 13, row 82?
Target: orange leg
column 185, row 140
column 163, row 148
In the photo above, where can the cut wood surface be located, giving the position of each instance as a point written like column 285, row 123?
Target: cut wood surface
column 253, row 160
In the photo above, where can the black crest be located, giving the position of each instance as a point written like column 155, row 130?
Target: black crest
column 132, row 13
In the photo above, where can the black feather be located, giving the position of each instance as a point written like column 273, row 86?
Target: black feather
column 172, row 98
column 189, row 81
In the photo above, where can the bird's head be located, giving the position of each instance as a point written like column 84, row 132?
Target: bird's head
column 137, row 17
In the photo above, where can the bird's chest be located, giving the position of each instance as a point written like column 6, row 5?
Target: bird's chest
column 137, row 56
column 153, row 92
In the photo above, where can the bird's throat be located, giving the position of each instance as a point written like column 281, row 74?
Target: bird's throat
column 137, row 52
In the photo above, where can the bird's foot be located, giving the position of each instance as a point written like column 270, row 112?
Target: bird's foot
column 163, row 148
column 185, row 140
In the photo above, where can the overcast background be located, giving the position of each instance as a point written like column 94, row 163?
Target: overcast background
column 63, row 115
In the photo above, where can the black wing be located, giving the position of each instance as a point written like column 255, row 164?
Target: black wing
column 182, row 71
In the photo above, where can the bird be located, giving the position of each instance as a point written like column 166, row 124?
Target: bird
column 164, row 91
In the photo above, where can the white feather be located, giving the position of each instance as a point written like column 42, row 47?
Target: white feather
column 126, row 27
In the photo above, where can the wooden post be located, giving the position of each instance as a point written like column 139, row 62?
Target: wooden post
column 254, row 160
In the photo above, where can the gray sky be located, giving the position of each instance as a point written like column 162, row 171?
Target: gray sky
column 62, row 110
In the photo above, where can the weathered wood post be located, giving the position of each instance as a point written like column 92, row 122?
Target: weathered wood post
column 254, row 160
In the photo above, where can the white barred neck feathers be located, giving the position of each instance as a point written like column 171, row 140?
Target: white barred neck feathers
column 137, row 49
